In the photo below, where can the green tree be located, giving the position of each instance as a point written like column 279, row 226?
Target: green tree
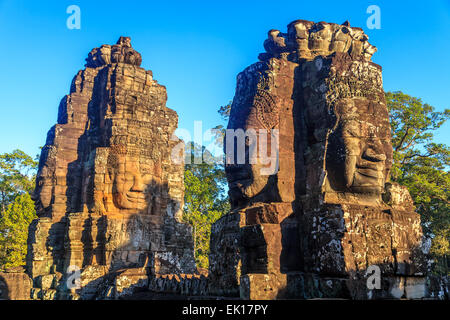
column 224, row 112
column 14, row 231
column 17, row 173
column 205, row 197
column 422, row 165
column 206, row 191
column 17, row 176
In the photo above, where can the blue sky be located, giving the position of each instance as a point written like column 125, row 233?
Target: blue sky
column 196, row 49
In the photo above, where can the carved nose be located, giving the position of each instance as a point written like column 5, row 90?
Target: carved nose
column 371, row 155
column 138, row 186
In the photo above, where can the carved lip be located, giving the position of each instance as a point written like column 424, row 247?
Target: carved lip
column 239, row 183
column 370, row 169
column 366, row 183
column 136, row 196
column 369, row 172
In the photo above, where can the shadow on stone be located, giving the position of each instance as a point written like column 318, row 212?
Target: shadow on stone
column 4, row 290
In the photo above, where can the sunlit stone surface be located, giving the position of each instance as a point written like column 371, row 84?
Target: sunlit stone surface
column 312, row 229
column 108, row 195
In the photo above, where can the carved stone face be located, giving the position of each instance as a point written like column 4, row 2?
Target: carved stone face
column 342, row 40
column 124, row 41
column 361, row 145
column 368, row 50
column 105, row 54
column 321, row 38
column 124, row 53
column 247, row 180
column 299, row 34
column 130, row 181
column 42, row 195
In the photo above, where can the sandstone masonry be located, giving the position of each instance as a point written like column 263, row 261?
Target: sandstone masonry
column 108, row 196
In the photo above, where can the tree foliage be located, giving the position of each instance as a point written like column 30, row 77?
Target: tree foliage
column 17, row 176
column 422, row 165
column 14, row 231
column 224, row 112
column 205, row 198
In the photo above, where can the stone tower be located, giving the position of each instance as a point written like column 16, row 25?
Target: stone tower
column 328, row 213
column 108, row 195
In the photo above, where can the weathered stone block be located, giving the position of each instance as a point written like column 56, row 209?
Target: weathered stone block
column 15, row 285
column 262, row 286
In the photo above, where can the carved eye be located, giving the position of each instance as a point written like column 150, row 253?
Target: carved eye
column 128, row 177
column 350, row 131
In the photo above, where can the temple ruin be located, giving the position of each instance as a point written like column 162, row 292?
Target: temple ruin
column 314, row 228
column 108, row 196
column 314, row 212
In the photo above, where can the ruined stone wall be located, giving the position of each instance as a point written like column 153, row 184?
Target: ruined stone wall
column 108, row 194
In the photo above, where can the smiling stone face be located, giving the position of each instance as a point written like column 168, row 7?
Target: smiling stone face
column 261, row 104
column 361, row 146
column 348, row 151
column 130, row 181
column 245, row 178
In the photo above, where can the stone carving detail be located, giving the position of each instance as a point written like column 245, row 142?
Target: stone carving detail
column 266, row 109
column 306, row 40
column 109, row 198
column 355, row 127
column 107, row 194
column 120, row 52
column 314, row 227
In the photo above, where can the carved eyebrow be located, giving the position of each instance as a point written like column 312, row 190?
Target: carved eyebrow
column 351, row 134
